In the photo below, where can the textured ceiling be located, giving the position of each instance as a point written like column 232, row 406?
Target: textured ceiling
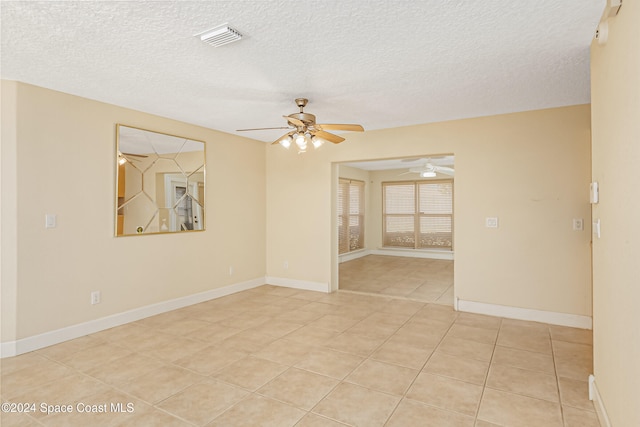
column 378, row 63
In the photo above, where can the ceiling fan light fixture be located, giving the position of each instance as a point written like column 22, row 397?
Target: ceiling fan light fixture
column 286, row 141
column 301, row 141
column 220, row 35
column 303, row 130
column 428, row 174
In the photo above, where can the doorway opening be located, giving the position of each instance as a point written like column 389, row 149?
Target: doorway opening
column 406, row 222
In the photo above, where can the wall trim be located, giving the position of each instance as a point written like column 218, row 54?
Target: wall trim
column 8, row 349
column 414, row 253
column 594, row 395
column 298, row 284
column 349, row 256
column 552, row 317
column 411, row 253
column 35, row 342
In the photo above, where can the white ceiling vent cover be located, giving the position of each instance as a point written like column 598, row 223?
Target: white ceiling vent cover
column 220, row 35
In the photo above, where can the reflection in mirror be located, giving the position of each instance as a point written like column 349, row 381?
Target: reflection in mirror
column 160, row 182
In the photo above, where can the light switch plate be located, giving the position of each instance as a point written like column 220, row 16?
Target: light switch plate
column 491, row 222
column 50, row 221
column 594, row 193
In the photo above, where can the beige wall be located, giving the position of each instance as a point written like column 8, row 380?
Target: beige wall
column 65, row 162
column 530, row 169
column 615, row 92
column 8, row 212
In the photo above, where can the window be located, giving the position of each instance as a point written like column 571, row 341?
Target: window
column 418, row 214
column 350, row 215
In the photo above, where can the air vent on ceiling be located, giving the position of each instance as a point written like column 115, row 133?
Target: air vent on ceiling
column 220, row 35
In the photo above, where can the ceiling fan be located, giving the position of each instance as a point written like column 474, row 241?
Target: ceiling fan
column 429, row 169
column 305, row 130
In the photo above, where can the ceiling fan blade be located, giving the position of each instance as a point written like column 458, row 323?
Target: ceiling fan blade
column 444, row 170
column 281, row 127
column 405, row 173
column 329, row 136
column 347, row 127
column 294, row 121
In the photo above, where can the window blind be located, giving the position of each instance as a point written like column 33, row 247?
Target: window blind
column 350, row 215
column 418, row 214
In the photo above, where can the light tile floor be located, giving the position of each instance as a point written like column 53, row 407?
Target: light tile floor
column 281, row 357
column 429, row 280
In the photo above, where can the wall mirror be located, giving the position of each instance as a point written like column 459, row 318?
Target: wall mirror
column 159, row 183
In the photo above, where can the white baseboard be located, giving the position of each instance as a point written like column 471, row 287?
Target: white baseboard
column 411, row 253
column 594, row 395
column 350, row 256
column 554, row 318
column 24, row 345
column 8, row 349
column 298, row 284
column 414, row 253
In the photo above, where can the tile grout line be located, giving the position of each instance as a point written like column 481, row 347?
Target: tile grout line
column 315, row 347
column 167, row 363
column 343, row 380
column 373, row 309
column 486, row 378
column 369, row 358
column 404, row 395
column 555, row 371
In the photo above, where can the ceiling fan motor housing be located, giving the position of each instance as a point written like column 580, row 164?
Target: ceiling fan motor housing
column 308, row 119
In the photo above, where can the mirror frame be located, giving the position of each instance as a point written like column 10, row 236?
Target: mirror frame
column 120, row 183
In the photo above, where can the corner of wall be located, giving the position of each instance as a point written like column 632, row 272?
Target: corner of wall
column 594, row 395
column 8, row 213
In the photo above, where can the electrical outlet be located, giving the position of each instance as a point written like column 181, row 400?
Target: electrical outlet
column 578, row 224
column 95, row 297
column 491, row 222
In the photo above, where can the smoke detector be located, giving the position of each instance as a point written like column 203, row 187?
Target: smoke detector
column 220, row 35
